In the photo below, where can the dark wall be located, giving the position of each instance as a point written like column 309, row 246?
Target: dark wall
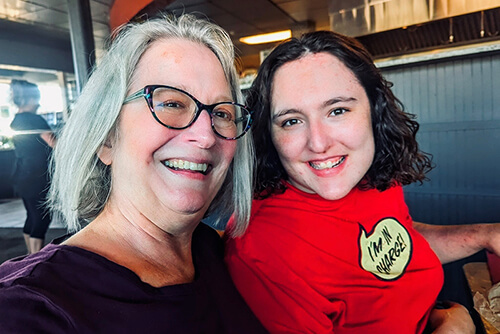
column 36, row 47
column 457, row 103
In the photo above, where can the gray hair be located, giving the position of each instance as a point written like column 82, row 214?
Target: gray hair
column 81, row 183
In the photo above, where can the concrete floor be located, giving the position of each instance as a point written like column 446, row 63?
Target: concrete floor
column 12, row 216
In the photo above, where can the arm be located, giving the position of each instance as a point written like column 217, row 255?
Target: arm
column 453, row 320
column 455, row 242
column 49, row 138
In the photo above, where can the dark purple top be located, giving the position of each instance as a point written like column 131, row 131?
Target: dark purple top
column 66, row 289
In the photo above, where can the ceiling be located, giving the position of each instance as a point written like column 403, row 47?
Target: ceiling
column 240, row 18
column 250, row 17
column 50, row 17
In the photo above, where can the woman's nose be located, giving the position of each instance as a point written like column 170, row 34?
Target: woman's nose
column 201, row 131
column 319, row 138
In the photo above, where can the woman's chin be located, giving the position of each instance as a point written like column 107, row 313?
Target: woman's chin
column 333, row 194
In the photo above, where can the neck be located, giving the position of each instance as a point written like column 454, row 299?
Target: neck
column 158, row 256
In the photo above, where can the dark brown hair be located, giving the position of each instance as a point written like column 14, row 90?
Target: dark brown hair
column 397, row 155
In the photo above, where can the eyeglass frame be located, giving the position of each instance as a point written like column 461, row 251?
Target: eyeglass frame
column 147, row 93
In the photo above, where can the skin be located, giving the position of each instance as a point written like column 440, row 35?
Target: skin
column 321, row 115
column 455, row 242
column 49, row 138
column 453, row 320
column 152, row 211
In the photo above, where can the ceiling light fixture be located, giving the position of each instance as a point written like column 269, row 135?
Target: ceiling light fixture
column 267, row 38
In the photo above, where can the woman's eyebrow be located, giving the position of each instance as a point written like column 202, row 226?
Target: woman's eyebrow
column 327, row 103
column 339, row 99
column 285, row 112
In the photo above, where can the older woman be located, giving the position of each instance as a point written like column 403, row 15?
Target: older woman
column 331, row 247
column 156, row 140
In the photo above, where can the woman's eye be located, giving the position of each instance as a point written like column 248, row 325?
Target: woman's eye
column 290, row 122
column 223, row 115
column 170, row 104
column 338, row 111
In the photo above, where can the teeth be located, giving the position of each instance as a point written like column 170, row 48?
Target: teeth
column 328, row 164
column 182, row 164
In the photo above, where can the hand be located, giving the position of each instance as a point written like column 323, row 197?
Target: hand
column 452, row 320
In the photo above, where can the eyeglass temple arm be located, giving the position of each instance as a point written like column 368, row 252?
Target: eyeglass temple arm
column 242, row 119
column 136, row 95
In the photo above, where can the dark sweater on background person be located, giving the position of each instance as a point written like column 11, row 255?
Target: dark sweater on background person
column 32, row 154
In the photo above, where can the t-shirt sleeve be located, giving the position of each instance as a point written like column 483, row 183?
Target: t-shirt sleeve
column 25, row 311
column 277, row 296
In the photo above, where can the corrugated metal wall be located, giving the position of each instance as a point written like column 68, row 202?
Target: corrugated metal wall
column 457, row 103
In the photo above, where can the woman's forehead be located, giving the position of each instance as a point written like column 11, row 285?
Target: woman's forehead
column 183, row 64
column 314, row 76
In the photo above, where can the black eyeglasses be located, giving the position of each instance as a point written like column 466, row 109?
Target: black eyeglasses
column 176, row 109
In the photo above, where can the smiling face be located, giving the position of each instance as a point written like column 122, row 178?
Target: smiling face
column 321, row 125
column 162, row 173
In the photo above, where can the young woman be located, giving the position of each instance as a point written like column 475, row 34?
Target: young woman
column 331, row 247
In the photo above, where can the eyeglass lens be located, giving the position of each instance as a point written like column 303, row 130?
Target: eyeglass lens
column 177, row 110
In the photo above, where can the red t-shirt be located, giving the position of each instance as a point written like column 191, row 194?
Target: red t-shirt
column 355, row 265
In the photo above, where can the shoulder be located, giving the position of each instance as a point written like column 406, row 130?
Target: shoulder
column 262, row 231
column 29, row 121
column 51, row 269
column 40, row 122
column 23, row 294
column 17, row 122
column 374, row 199
column 393, row 198
column 16, row 269
column 395, row 190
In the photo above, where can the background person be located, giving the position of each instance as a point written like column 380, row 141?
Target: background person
column 331, row 247
column 32, row 151
column 143, row 158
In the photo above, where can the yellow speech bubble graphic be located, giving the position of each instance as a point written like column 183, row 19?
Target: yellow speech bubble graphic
column 386, row 252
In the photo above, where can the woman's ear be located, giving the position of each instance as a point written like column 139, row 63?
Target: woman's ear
column 105, row 153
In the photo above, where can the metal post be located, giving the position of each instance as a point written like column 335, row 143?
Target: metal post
column 82, row 40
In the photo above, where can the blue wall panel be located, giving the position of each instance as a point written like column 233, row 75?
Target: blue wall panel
column 457, row 103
